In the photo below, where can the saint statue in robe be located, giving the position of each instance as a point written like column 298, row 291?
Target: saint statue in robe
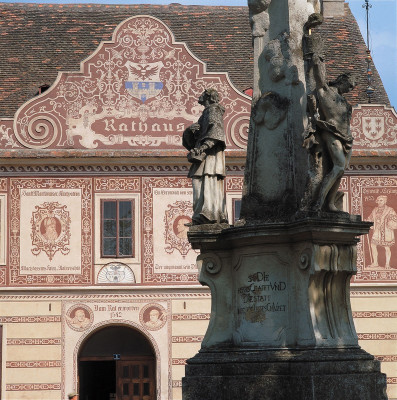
column 205, row 141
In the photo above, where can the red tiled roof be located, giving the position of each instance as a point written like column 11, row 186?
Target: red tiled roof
column 346, row 52
column 39, row 40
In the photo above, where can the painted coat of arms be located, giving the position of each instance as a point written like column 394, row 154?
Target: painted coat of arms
column 50, row 229
column 374, row 127
column 176, row 218
column 144, row 80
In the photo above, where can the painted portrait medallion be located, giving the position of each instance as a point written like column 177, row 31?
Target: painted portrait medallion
column 177, row 216
column 153, row 316
column 79, row 317
column 50, row 224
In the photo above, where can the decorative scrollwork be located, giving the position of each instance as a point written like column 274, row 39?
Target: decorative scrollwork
column 39, row 132
column 239, row 127
column 140, row 91
column 212, row 265
column 305, row 259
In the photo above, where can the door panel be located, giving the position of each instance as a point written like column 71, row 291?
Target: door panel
column 97, row 380
column 135, row 380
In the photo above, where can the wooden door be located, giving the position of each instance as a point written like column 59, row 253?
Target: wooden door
column 135, row 380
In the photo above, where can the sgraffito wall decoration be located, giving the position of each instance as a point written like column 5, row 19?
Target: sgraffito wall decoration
column 50, row 225
column 3, row 231
column 138, row 91
column 115, row 273
column 375, row 199
column 149, row 314
column 51, row 231
column 167, row 207
column 176, row 219
column 374, row 127
column 3, row 225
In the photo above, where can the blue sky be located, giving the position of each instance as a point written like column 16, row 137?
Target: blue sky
column 383, row 39
column 382, row 24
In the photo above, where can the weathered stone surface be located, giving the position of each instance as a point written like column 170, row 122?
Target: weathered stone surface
column 327, row 137
column 313, row 375
column 205, row 141
column 333, row 8
column 281, row 325
column 276, row 163
column 280, row 285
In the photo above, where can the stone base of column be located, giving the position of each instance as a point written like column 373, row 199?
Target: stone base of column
column 314, row 374
column 281, row 325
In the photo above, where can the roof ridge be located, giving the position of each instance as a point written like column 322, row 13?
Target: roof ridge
column 93, row 5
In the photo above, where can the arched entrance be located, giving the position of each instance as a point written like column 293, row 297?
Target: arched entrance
column 117, row 363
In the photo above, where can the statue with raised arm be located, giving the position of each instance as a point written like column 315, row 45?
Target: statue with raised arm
column 328, row 136
column 205, row 141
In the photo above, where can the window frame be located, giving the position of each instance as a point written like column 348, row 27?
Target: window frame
column 133, row 239
column 3, row 228
column 234, row 201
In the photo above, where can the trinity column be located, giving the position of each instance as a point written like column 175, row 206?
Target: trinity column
column 281, row 324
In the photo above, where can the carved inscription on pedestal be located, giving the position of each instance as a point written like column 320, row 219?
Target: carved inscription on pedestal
column 261, row 297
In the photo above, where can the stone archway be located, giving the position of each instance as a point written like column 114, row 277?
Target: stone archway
column 116, row 362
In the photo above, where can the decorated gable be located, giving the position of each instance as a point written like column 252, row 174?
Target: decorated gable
column 138, row 91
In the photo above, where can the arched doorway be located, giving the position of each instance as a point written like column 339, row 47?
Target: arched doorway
column 117, row 363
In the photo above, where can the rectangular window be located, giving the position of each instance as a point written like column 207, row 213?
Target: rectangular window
column 236, row 209
column 117, row 233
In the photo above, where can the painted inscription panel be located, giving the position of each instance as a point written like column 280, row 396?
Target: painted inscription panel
column 375, row 199
column 167, row 204
column 172, row 210
column 51, row 231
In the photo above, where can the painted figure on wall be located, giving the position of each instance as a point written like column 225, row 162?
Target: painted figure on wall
column 50, row 229
column 205, row 141
column 385, row 221
column 328, row 137
column 180, row 226
column 80, row 319
column 155, row 319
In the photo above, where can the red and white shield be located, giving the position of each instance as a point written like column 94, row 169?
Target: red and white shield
column 373, row 127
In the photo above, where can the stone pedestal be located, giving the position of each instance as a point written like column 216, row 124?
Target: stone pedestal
column 288, row 374
column 281, row 325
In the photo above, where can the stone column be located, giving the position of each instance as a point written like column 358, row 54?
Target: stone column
column 277, row 164
column 281, row 325
column 333, row 8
